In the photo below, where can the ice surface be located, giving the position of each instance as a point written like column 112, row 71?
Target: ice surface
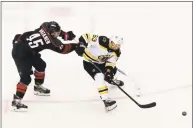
column 156, row 56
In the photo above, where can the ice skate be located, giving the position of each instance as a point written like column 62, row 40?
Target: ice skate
column 109, row 105
column 117, row 82
column 39, row 90
column 17, row 106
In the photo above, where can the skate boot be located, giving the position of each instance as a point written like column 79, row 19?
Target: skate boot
column 109, row 105
column 117, row 82
column 41, row 91
column 17, row 106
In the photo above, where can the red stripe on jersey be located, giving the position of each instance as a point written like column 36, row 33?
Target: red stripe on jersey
column 69, row 47
column 66, row 47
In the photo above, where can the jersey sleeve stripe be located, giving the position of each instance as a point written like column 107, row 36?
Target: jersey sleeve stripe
column 102, row 47
column 110, row 64
column 66, row 48
column 85, row 38
column 69, row 48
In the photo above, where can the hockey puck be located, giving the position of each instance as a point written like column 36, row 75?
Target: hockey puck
column 184, row 113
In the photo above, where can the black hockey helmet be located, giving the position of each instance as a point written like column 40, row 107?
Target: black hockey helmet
column 52, row 26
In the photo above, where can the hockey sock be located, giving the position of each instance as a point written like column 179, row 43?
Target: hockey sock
column 102, row 88
column 21, row 89
column 103, row 91
column 39, row 77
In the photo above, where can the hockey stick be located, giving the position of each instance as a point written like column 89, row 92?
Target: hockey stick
column 150, row 105
column 153, row 104
column 121, row 72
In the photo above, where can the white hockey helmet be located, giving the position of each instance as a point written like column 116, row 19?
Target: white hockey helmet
column 117, row 40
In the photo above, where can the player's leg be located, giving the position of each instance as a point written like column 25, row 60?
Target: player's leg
column 24, row 69
column 116, row 80
column 24, row 66
column 39, row 73
column 101, row 85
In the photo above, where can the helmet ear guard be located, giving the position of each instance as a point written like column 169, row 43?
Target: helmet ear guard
column 117, row 40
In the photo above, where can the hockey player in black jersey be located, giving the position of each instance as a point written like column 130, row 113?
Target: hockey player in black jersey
column 100, row 55
column 25, row 52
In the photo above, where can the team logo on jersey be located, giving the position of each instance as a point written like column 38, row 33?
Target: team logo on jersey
column 103, row 58
column 104, row 39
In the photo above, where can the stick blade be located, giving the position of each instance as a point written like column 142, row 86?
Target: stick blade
column 148, row 105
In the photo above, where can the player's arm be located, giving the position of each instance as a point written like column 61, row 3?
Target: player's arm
column 59, row 47
column 84, row 40
column 110, row 65
column 67, row 35
column 114, row 56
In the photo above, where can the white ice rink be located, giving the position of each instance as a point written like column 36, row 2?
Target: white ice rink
column 156, row 55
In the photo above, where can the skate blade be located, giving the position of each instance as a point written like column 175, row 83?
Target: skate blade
column 14, row 109
column 41, row 94
column 110, row 108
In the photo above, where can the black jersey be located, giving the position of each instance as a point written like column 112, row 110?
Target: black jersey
column 39, row 40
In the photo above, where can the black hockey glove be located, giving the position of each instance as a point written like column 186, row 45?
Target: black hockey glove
column 68, row 35
column 109, row 75
column 80, row 49
column 71, row 35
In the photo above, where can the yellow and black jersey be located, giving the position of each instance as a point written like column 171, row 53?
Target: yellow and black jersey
column 98, row 51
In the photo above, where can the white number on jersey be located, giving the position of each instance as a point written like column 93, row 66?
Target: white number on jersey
column 35, row 43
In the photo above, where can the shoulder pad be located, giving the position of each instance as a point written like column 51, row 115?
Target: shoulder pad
column 104, row 41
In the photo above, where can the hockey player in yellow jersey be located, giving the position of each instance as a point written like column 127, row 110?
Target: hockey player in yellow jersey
column 101, row 52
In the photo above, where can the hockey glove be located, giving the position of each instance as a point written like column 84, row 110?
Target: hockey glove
column 80, row 49
column 109, row 75
column 68, row 35
column 71, row 35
